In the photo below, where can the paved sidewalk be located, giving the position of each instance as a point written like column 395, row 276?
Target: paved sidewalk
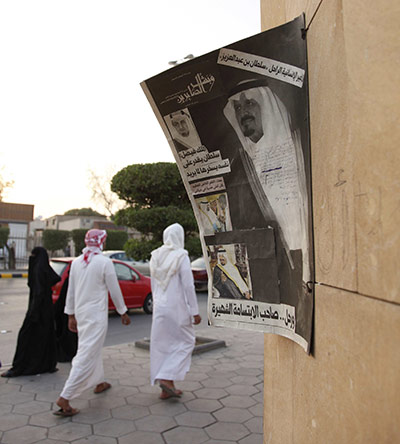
column 222, row 401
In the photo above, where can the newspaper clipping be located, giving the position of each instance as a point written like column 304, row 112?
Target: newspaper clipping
column 237, row 122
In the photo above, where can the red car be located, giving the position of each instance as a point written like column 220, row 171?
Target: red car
column 135, row 287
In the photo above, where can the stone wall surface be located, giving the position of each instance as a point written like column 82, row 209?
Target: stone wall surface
column 347, row 391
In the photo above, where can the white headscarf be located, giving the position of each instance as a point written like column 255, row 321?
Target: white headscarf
column 166, row 260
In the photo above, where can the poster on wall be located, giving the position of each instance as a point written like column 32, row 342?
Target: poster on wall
column 237, row 122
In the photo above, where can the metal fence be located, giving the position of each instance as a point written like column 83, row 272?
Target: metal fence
column 16, row 257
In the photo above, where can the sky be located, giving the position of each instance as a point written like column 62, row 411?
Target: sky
column 70, row 95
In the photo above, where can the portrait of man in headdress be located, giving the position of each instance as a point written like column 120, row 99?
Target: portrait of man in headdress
column 273, row 161
column 228, row 281
column 183, row 130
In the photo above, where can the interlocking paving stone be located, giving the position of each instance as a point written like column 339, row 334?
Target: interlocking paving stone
column 231, row 366
column 196, row 376
column 96, row 439
column 134, row 401
column 185, row 435
column 243, row 379
column 211, row 393
column 37, row 387
column 227, row 431
column 16, row 397
column 229, row 414
column 70, row 431
column 107, row 401
column 254, row 438
column 130, row 412
column 246, row 371
column 114, row 427
column 195, row 419
column 217, row 441
column 255, row 425
column 216, row 382
column 188, row 386
column 51, row 441
column 258, row 397
column 241, row 389
column 11, row 421
column 204, row 405
column 32, row 407
column 5, row 408
column 49, row 395
column 24, row 435
column 121, row 391
column 251, row 364
column 141, row 437
column 7, row 388
column 47, row 419
column 147, row 388
column 222, row 375
column 234, row 401
column 257, row 410
column 134, row 381
column 142, row 399
column 92, row 416
column 155, row 423
column 168, row 408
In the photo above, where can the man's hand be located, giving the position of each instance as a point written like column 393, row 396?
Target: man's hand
column 196, row 319
column 125, row 319
column 72, row 325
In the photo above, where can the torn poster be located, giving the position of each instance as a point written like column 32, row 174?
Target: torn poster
column 237, row 122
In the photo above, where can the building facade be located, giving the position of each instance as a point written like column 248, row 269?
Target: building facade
column 347, row 391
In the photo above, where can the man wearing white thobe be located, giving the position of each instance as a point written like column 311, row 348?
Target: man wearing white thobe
column 174, row 313
column 91, row 277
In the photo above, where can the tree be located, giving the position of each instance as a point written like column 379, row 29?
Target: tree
column 4, row 233
column 156, row 198
column 78, row 236
column 116, row 239
column 54, row 240
column 82, row 212
column 102, row 194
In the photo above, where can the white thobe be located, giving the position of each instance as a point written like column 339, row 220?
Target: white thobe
column 172, row 332
column 87, row 299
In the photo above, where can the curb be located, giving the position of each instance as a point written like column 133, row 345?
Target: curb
column 202, row 344
column 13, row 275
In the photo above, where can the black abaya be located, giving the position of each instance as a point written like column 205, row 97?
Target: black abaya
column 36, row 344
column 66, row 340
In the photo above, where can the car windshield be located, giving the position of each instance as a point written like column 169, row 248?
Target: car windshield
column 58, row 267
column 199, row 263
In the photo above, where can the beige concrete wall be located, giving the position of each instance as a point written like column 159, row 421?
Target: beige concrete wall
column 349, row 390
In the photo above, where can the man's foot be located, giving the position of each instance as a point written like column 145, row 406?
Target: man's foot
column 100, row 388
column 168, row 387
column 65, row 408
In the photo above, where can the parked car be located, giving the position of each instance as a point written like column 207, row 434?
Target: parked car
column 135, row 287
column 200, row 274
column 141, row 266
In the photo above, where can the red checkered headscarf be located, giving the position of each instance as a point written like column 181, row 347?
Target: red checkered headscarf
column 94, row 240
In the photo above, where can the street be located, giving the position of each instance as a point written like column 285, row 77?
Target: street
column 14, row 295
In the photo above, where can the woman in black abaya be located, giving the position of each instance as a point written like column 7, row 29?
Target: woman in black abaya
column 66, row 340
column 36, row 344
